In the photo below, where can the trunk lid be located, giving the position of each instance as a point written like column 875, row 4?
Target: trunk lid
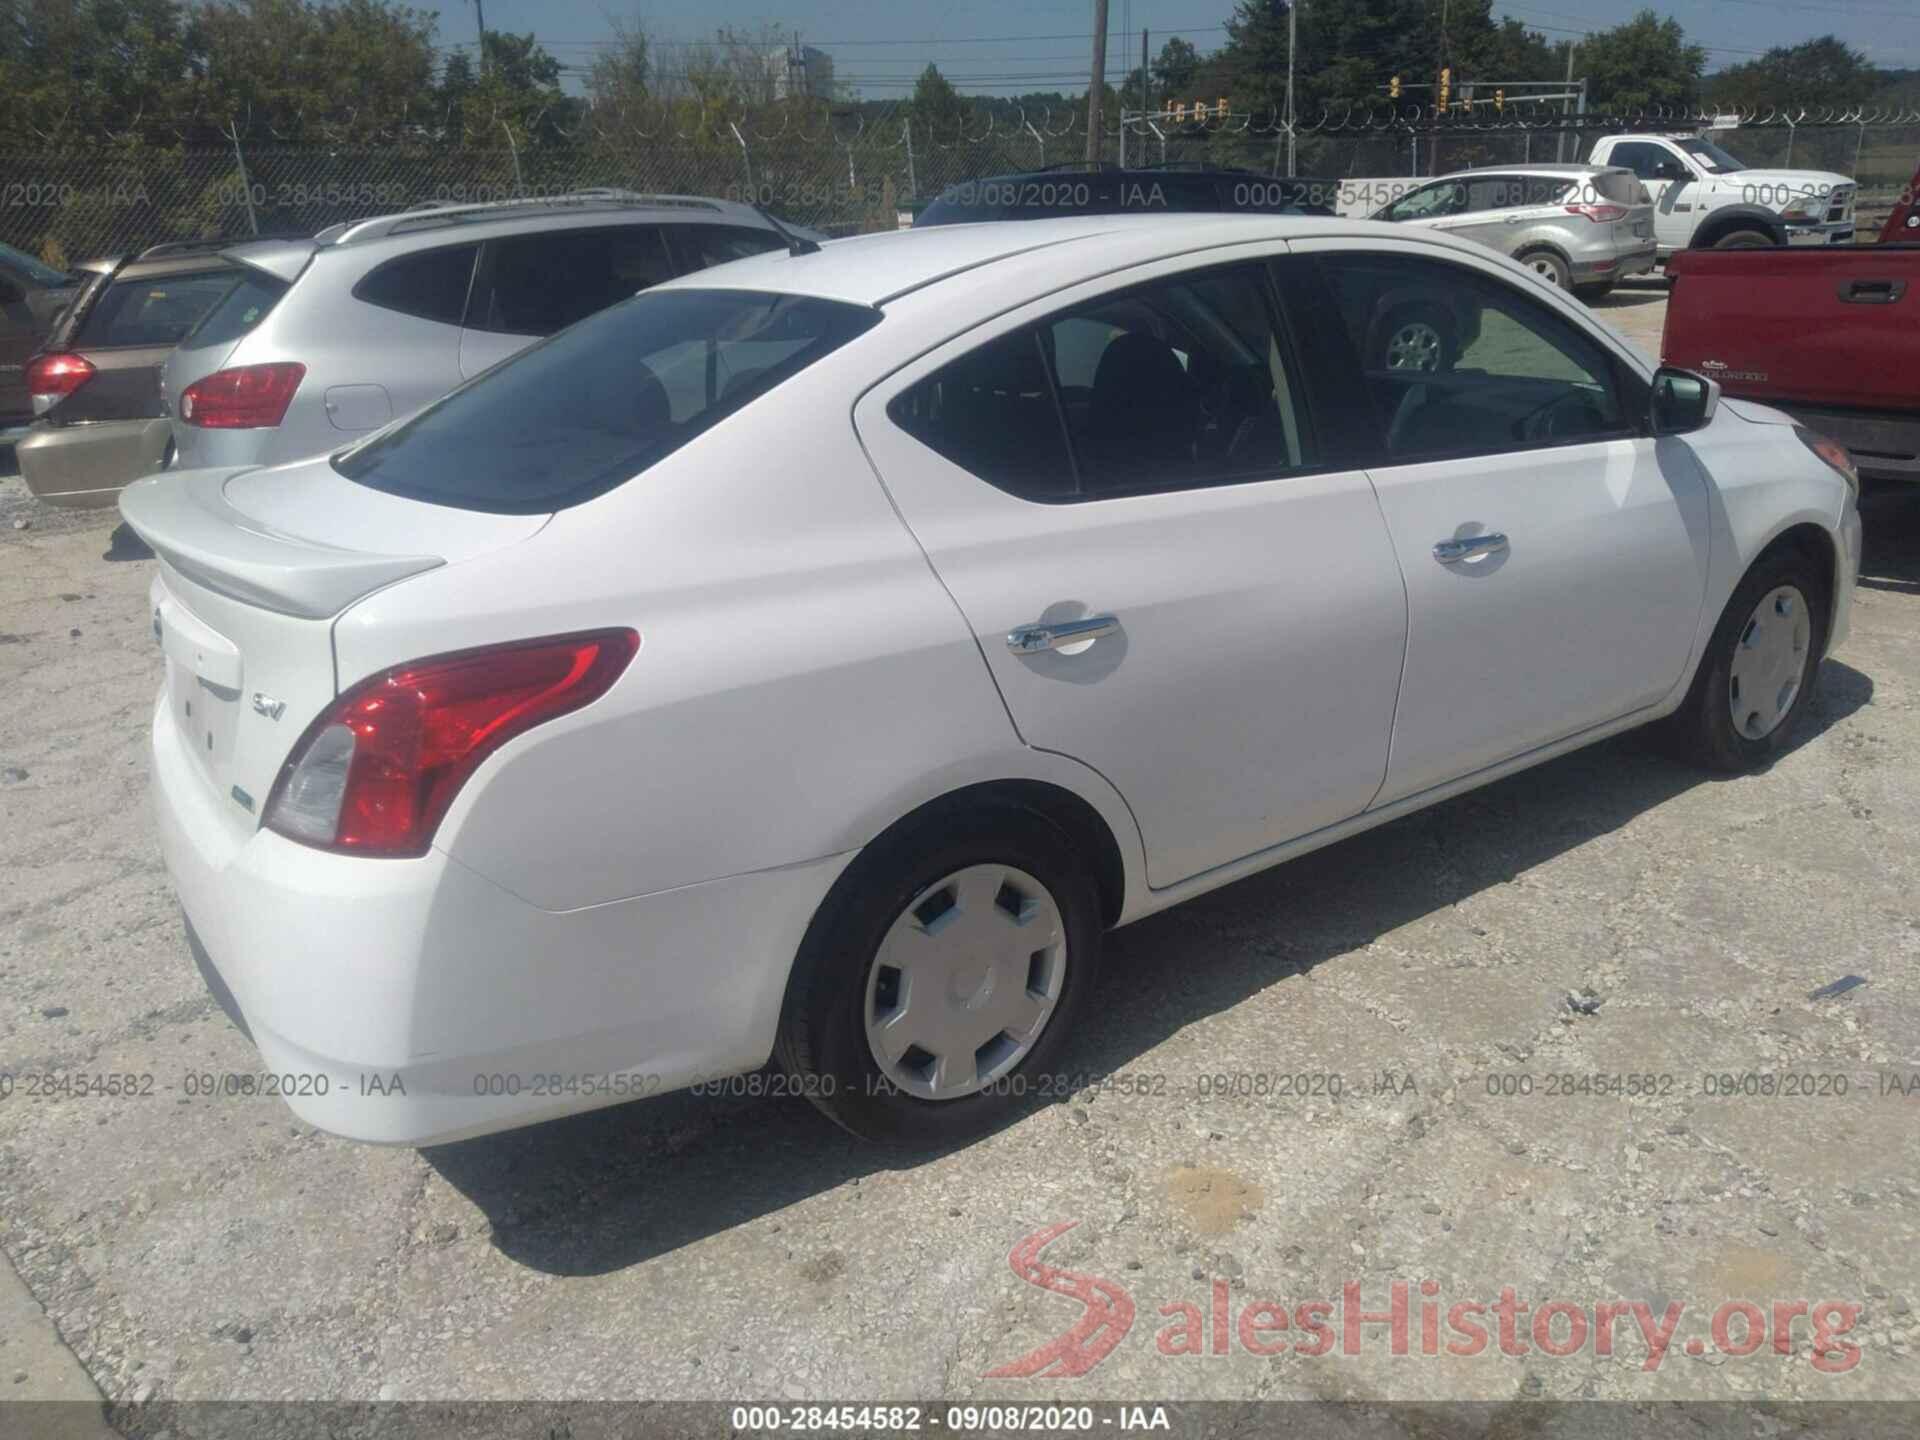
column 255, row 565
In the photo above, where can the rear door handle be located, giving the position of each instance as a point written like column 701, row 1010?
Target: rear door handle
column 1872, row 292
column 1452, row 552
column 1034, row 638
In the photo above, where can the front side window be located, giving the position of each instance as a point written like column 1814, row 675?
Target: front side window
column 1449, row 197
column 1457, row 362
column 1178, row 383
column 1643, row 159
column 589, row 409
column 158, row 311
column 541, row 283
column 431, row 285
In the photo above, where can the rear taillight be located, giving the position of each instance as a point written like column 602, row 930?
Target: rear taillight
column 1599, row 214
column 51, row 378
column 247, row 397
column 374, row 775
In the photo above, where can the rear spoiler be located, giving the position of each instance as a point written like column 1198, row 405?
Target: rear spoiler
column 282, row 259
column 186, row 520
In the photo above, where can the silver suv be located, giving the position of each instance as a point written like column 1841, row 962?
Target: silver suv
column 1581, row 227
column 326, row 339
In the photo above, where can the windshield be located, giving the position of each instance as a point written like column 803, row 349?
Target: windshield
column 41, row 274
column 1711, row 157
column 588, row 409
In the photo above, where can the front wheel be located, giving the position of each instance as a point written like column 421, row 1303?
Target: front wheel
column 1759, row 667
column 942, row 976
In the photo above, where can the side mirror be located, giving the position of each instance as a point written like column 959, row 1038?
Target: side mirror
column 1682, row 400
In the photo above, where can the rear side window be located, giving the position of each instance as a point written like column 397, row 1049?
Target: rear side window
column 701, row 246
column 1621, row 188
column 155, row 311
column 429, row 286
column 245, row 306
column 538, row 284
column 591, row 408
column 1179, row 383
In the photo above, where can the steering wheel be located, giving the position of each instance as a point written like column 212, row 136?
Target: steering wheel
column 1556, row 420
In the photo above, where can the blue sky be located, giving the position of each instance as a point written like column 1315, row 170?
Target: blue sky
column 1006, row 46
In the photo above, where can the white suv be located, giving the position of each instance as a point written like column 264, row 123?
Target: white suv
column 325, row 339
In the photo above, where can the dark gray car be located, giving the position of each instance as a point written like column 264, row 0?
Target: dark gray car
column 32, row 294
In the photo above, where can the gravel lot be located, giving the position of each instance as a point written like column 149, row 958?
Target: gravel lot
column 1612, row 913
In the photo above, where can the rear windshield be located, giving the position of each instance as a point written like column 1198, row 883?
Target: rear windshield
column 254, row 293
column 595, row 405
column 154, row 311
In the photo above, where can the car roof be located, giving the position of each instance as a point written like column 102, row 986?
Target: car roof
column 1555, row 171
column 879, row 268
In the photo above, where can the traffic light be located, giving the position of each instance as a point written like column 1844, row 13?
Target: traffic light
column 1393, row 88
column 1499, row 102
column 1446, row 85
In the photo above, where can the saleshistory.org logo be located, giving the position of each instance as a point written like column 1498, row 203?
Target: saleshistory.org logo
column 1410, row 1326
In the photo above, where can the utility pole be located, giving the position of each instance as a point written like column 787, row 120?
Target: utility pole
column 1098, row 82
column 1560, row 150
column 1293, row 33
column 480, row 18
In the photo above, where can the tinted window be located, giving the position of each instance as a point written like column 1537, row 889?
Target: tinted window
column 703, row 245
column 430, row 286
column 1460, row 363
column 1163, row 387
column 1641, row 158
column 151, row 312
column 537, row 284
column 1447, row 198
column 591, row 408
column 245, row 306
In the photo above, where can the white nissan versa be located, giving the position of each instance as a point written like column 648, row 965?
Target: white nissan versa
column 813, row 656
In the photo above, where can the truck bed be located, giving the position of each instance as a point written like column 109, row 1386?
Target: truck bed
column 1831, row 336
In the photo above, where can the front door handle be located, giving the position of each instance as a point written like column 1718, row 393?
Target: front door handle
column 1032, row 639
column 1470, row 547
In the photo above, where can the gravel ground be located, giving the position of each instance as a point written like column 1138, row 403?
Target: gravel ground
column 1612, row 913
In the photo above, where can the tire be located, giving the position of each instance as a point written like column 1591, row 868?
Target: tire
column 1548, row 266
column 906, row 879
column 1414, row 337
column 1591, row 293
column 1704, row 726
column 1745, row 240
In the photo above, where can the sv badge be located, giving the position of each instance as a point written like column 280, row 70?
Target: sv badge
column 268, row 706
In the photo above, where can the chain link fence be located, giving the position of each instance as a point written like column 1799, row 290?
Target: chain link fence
column 73, row 202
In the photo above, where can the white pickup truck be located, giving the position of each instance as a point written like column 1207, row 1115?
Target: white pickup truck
column 1703, row 196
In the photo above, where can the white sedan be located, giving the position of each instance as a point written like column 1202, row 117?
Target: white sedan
column 813, row 657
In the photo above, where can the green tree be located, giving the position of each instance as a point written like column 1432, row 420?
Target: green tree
column 935, row 103
column 1826, row 71
column 1646, row 62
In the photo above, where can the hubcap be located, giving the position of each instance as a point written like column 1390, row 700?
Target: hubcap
column 1414, row 346
column 965, row 981
column 1544, row 266
column 1769, row 662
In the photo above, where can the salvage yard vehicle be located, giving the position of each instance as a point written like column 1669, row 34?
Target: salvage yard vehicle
column 95, row 386
column 1706, row 197
column 32, row 295
column 813, row 657
column 1579, row 227
column 332, row 337
column 1836, row 344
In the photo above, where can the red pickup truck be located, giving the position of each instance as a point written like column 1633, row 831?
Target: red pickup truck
column 1831, row 335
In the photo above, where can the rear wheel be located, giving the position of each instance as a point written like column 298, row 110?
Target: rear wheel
column 1744, row 240
column 1759, row 666
column 942, row 976
column 1591, row 293
column 1548, row 266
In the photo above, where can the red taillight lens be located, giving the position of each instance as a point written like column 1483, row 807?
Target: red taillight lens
column 248, row 397
column 1599, row 214
column 51, row 378
column 375, row 774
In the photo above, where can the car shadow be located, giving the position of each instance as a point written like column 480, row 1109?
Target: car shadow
column 597, row 1193
column 1890, row 518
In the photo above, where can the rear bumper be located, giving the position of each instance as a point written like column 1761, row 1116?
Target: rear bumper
column 1588, row 269
column 414, row 1002
column 84, row 466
